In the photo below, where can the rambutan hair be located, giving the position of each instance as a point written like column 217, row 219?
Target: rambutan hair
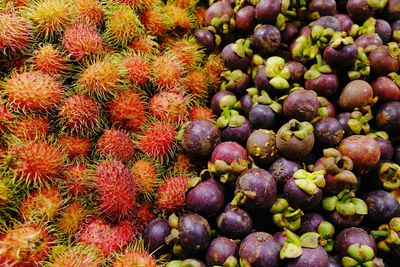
column 116, row 144
column 167, row 78
column 76, row 147
column 186, row 50
column 76, row 255
column 137, row 68
column 50, row 60
column 15, row 33
column 90, row 11
column 171, row 194
column 31, row 127
column 156, row 21
column 71, row 218
column 169, row 105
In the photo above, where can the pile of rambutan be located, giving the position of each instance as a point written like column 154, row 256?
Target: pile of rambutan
column 94, row 96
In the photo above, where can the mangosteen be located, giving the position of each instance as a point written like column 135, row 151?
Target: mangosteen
column 383, row 29
column 235, row 81
column 328, row 132
column 327, row 22
column 246, row 103
column 154, row 236
column 285, row 216
column 356, row 94
column 382, row 206
column 385, row 59
column 205, row 198
column 315, row 222
column 237, row 55
column 392, row 10
column 267, row 11
column 282, row 170
column 277, row 73
column 245, row 19
column 318, row 8
column 341, row 52
column 388, row 117
column 223, row 100
column 200, row 138
column 297, row 71
column 262, row 117
column 386, row 89
column 259, row 249
column 266, row 39
column 388, row 238
column 345, row 22
column 186, row 263
column 261, row 81
column 221, row 16
column 360, row 10
column 234, row 223
column 295, row 139
column 222, row 251
column 369, row 41
column 382, row 138
column 396, row 31
column 261, row 147
column 301, row 105
column 206, row 38
column 255, row 190
column 289, row 33
column 302, row 49
column 389, row 175
column 234, row 127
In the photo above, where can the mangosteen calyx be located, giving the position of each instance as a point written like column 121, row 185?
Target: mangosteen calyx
column 345, row 203
column 359, row 123
column 361, row 67
column 387, row 235
column 326, row 231
column 242, row 48
column 264, row 99
column 394, row 50
column 230, row 79
column 309, row 182
column 395, row 78
column 303, row 49
column 277, row 72
column 293, row 245
column 359, row 255
column 389, row 174
column 296, row 129
column 321, row 36
column 317, row 70
column 285, row 216
column 228, row 173
column 230, row 118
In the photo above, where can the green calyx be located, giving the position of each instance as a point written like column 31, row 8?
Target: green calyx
column 359, row 255
column 293, row 246
column 227, row 173
column 294, row 128
column 223, row 25
column 381, row 134
column 230, row 79
column 345, row 203
column 334, row 162
column 326, row 231
column 358, row 122
column 321, row 36
column 377, row 4
column 317, row 70
column 339, row 40
column 264, row 99
column 394, row 50
column 184, row 263
column 285, row 216
column 309, row 182
column 361, row 68
column 304, row 50
column 276, row 71
column 241, row 197
column 389, row 174
column 388, row 235
column 230, row 118
column 242, row 48
column 395, row 77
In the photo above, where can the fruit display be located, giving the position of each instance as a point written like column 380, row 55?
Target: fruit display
column 186, row 133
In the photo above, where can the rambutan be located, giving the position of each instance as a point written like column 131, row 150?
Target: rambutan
column 167, row 77
column 200, row 112
column 49, row 60
column 35, row 162
column 31, row 127
column 145, row 214
column 146, row 176
column 25, row 245
column 19, row 3
column 127, row 110
column 158, row 141
column 171, row 194
column 215, row 66
column 32, row 91
column 144, row 43
column 15, row 33
column 171, row 106
column 75, row 146
column 49, row 16
column 82, row 40
column 41, row 205
column 182, row 20
column 138, row 4
column 6, row 193
column 182, row 165
column 81, row 114
column 90, row 11
column 108, row 239
column 77, row 178
column 122, row 25
column 80, row 255
column 197, row 82
column 187, row 51
column 133, row 258
column 156, row 21
column 5, row 118
column 137, row 69
column 71, row 218
column 115, row 144
column 99, row 79
column 115, row 187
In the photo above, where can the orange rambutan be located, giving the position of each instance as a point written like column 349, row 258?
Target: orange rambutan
column 187, row 51
column 144, row 43
column 215, row 66
column 77, row 178
column 71, row 218
column 171, row 194
column 31, row 127
column 91, row 11
column 182, row 20
column 135, row 258
column 49, row 60
column 182, row 165
column 15, row 33
column 171, row 106
column 200, row 112
column 115, row 144
column 6, row 118
column 167, row 77
column 137, row 68
column 146, row 176
column 197, row 82
column 145, row 214
column 75, row 146
column 81, row 255
column 155, row 20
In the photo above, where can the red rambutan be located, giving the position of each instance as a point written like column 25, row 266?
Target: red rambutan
column 32, row 91
column 80, row 255
column 137, row 69
column 167, row 77
column 90, row 11
column 75, row 146
column 171, row 106
column 127, row 110
column 82, row 40
column 15, row 33
column 25, row 245
column 145, row 214
column 81, row 114
column 115, row 144
column 133, row 258
column 35, row 162
column 31, row 127
column 200, row 112
column 156, row 21
column 158, row 141
column 42, row 204
column 5, row 118
column 171, row 194
column 115, row 187
column 77, row 178
column 71, row 218
column 108, row 239
column 182, row 165
column 49, row 60
column 145, row 174
column 197, row 83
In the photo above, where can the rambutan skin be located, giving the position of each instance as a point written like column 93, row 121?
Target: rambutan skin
column 167, row 78
column 145, row 214
column 71, row 218
column 24, row 245
column 156, row 21
column 99, row 234
column 31, row 127
column 145, row 175
column 171, row 194
column 32, row 91
column 115, row 144
column 116, row 191
column 127, row 110
column 200, row 112
column 91, row 11
column 75, row 146
column 77, row 178
column 144, row 44
column 197, row 83
column 49, row 60
column 80, row 255
column 81, row 114
column 135, row 258
column 158, row 141
column 187, row 51
column 137, row 69
column 15, row 33
column 82, row 40
column 6, row 118
column 171, row 106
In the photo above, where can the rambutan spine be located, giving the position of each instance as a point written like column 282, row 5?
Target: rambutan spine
column 50, row 60
column 171, row 194
column 115, row 144
column 15, row 33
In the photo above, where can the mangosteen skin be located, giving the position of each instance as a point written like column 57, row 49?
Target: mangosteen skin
column 245, row 19
column 386, row 89
column 219, row 250
column 221, row 9
column 206, row 198
column 356, row 94
column 297, row 198
column 328, row 22
column 370, row 39
column 345, row 221
column 246, row 103
column 206, row 39
column 262, row 117
column 343, row 119
column 154, row 235
column 301, row 105
column 323, row 7
column 381, row 62
column 261, row 82
column 310, row 222
column 216, row 99
column 316, row 257
column 267, row 11
column 266, row 39
column 383, row 29
column 228, row 152
column 328, row 132
column 350, row 236
column 297, row 71
column 233, row 61
column 388, row 117
column 194, row 233
column 234, row 223
column 282, row 170
column 326, row 84
column 200, row 138
column 261, row 147
column 343, row 57
column 289, row 33
column 359, row 10
column 260, row 249
column 382, row 206
column 386, row 148
column 396, row 156
column 237, row 134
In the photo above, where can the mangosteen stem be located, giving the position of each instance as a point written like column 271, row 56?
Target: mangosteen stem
column 379, row 234
column 240, row 198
